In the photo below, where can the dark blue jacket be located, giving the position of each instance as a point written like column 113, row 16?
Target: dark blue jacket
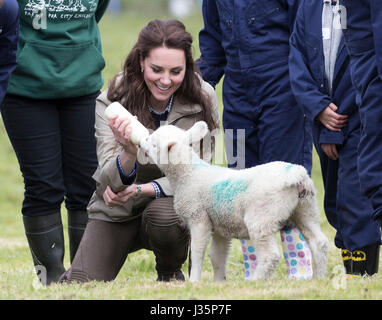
column 376, row 9
column 307, row 73
column 364, row 21
column 346, row 209
column 9, row 27
column 363, row 41
column 247, row 41
column 238, row 35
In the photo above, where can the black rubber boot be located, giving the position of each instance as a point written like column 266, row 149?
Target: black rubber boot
column 365, row 261
column 347, row 260
column 46, row 241
column 77, row 221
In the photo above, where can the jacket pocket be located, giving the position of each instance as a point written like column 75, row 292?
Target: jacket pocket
column 226, row 18
column 314, row 54
column 60, row 70
column 260, row 10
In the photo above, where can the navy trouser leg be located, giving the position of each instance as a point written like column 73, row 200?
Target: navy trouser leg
column 239, row 122
column 376, row 21
column 357, row 227
column 329, row 171
column 274, row 135
column 360, row 43
column 34, row 131
column 274, row 131
column 284, row 134
column 79, row 156
column 46, row 143
column 346, row 208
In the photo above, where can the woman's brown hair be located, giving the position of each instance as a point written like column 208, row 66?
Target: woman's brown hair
column 130, row 88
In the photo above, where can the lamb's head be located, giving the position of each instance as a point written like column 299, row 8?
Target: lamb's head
column 169, row 145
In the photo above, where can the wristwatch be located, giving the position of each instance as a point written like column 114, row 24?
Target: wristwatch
column 139, row 191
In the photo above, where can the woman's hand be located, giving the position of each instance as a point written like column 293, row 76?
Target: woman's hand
column 130, row 192
column 331, row 119
column 330, row 150
column 122, row 133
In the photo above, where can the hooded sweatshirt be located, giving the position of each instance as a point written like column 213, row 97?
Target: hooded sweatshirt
column 59, row 50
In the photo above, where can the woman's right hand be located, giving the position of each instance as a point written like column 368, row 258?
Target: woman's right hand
column 122, row 133
column 331, row 119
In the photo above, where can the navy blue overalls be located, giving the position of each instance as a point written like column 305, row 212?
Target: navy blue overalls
column 9, row 27
column 363, row 40
column 248, row 43
column 347, row 209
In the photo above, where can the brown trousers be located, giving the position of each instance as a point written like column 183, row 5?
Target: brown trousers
column 105, row 245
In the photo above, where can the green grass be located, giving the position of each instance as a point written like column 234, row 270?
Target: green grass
column 137, row 279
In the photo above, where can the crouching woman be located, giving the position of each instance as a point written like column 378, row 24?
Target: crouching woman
column 132, row 207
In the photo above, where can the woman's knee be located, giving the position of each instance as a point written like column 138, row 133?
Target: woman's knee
column 163, row 225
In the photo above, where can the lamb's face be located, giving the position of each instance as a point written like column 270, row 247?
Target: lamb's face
column 160, row 143
column 171, row 145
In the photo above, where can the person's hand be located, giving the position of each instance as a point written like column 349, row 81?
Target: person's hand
column 120, row 198
column 331, row 119
column 122, row 133
column 330, row 150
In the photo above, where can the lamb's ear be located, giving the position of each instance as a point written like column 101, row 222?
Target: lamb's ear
column 198, row 131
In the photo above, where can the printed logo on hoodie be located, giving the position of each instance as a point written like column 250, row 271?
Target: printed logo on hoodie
column 61, row 9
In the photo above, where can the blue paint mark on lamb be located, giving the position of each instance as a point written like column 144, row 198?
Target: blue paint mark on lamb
column 224, row 192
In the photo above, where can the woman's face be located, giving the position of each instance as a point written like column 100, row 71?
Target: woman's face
column 164, row 71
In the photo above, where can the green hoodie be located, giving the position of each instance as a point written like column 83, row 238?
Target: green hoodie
column 59, row 53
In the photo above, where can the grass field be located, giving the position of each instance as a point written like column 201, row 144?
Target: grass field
column 137, row 279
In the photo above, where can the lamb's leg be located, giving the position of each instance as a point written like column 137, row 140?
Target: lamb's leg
column 307, row 218
column 219, row 253
column 264, row 239
column 268, row 256
column 200, row 234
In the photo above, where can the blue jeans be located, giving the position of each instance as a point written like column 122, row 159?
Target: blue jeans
column 55, row 146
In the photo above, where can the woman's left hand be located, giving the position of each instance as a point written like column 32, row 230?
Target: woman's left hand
column 132, row 191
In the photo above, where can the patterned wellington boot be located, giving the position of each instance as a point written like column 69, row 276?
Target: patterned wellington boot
column 249, row 257
column 297, row 254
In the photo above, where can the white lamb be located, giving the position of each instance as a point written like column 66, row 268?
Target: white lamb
column 253, row 203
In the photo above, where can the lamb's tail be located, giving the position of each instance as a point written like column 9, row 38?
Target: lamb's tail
column 306, row 188
column 298, row 176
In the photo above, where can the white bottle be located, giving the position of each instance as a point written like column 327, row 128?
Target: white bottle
column 138, row 132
